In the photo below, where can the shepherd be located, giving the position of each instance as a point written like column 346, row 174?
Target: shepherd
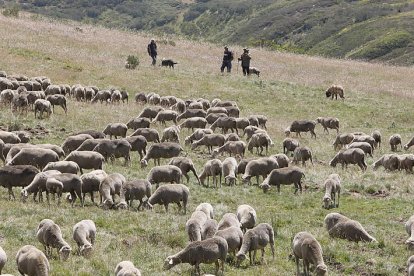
column 227, row 59
column 152, row 51
column 245, row 61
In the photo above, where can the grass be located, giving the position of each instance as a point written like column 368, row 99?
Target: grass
column 292, row 87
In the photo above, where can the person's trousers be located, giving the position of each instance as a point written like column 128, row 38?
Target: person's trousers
column 245, row 70
column 226, row 64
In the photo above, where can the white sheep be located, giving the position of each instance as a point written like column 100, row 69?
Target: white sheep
column 207, row 208
column 126, row 268
column 211, row 168
column 234, row 237
column 32, row 261
column 332, row 188
column 229, row 220
column 229, row 170
column 410, row 266
column 84, row 233
column 307, row 248
column 194, row 225
column 247, row 216
column 3, row 259
column 409, row 227
column 339, row 226
column 50, row 235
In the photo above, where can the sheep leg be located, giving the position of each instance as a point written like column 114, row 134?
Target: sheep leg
column 254, row 256
column 337, row 205
column 297, row 265
column 250, row 257
column 262, row 258
column 306, row 267
column 11, row 194
column 47, row 198
column 217, row 266
column 166, row 207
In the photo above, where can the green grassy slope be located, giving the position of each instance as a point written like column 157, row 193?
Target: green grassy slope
column 377, row 97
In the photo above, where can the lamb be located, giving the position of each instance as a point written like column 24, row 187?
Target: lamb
column 9, row 137
column 197, row 135
column 233, row 236
column 136, row 123
column 3, row 259
column 50, row 235
column 229, row 170
column 32, row 261
column 84, row 233
column 86, row 159
column 161, row 150
column 257, row 238
column 209, row 140
column 306, row 247
column 165, row 173
column 282, row 160
column 150, row 112
column 395, row 140
column 286, row 176
column 211, row 168
column 207, row 251
column 126, row 268
column 38, row 184
column 59, row 100
column 63, row 167
column 247, row 216
column 410, row 265
column 332, row 188
column 91, row 182
column 41, row 106
column 194, row 122
column 364, row 138
column 377, row 137
column 207, row 209
column 73, row 142
column 350, row 156
column 139, row 144
column 171, row 134
column 334, row 91
column 339, row 226
column 150, row 134
column 14, row 176
column 212, row 117
column 114, row 149
column 406, row 146
column 110, row 186
column 136, row 189
column 166, row 115
column 259, row 140
column 189, row 113
column 173, row 193
column 301, row 126
column 390, row 162
column 343, row 139
column 366, row 147
column 232, row 148
column 229, row 220
column 186, row 165
column 225, row 123
column 194, row 225
column 259, row 167
column 67, row 183
column 302, row 154
column 37, row 157
column 116, row 129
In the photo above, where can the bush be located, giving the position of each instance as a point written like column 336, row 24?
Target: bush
column 12, row 11
column 132, row 62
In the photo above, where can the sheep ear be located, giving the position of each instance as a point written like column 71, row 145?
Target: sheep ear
column 171, row 262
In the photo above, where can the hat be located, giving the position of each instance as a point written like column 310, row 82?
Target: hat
column 226, row 47
column 246, row 49
column 152, row 39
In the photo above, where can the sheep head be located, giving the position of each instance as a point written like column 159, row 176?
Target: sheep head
column 265, row 187
column 232, row 180
column 147, row 205
column 170, row 262
column 327, row 202
column 24, row 195
column 321, row 270
column 64, row 252
column 240, row 258
column 334, row 161
column 86, row 250
column 328, row 93
column 144, row 163
column 287, row 132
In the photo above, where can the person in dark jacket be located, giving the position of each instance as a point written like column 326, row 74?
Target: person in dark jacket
column 152, row 51
column 245, row 61
column 227, row 58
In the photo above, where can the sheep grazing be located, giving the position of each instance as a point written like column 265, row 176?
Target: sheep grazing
column 126, row 268
column 307, row 248
column 406, row 162
column 9, row 137
column 406, row 146
column 37, row 157
column 257, row 238
column 194, row 226
column 186, row 165
column 136, row 123
column 259, row 140
column 229, row 170
column 16, row 176
column 302, row 154
column 86, row 159
column 93, row 133
column 164, row 174
column 116, row 129
column 212, row 117
column 59, row 100
column 282, row 160
column 332, row 188
column 301, row 126
column 285, row 176
column 64, row 182
column 50, row 235
column 236, row 148
column 32, row 261
column 139, row 144
column 150, row 112
column 41, row 106
column 342, row 140
column 213, row 250
column 38, row 185
column 173, row 193
column 150, row 134
column 350, row 156
column 410, row 266
column 114, row 149
column 3, row 259
column 232, row 137
column 259, row 167
column 394, row 141
column 171, row 134
column 241, row 168
column 91, row 182
column 190, row 113
column 209, row 229
column 339, row 226
column 141, row 98
column 90, row 144
column 63, row 167
column 197, row 135
column 194, row 122
column 135, row 190
column 335, row 91
column 364, row 138
column 15, row 149
column 225, row 123
column 102, row 96
column 250, row 130
column 328, row 122
column 207, row 209
column 211, row 168
column 366, row 147
column 390, row 162
column 376, row 134
column 209, row 140
column 73, row 142
column 161, row 150
column 233, row 236
column 110, row 186
column 247, row 216
column 229, row 220
column 84, row 233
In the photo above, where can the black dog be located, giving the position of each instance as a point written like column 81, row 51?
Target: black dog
column 168, row 62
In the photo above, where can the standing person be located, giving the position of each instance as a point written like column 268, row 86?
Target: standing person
column 152, row 51
column 227, row 58
column 245, row 61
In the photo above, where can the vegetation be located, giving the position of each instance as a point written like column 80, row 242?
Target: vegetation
column 290, row 87
column 132, row 62
column 11, row 10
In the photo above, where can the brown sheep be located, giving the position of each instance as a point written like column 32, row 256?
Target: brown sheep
column 329, row 122
column 301, row 126
column 334, row 91
column 350, row 156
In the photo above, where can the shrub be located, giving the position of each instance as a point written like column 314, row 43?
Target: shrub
column 132, row 62
column 12, row 11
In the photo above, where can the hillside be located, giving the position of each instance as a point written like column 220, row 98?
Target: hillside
column 367, row 30
column 291, row 87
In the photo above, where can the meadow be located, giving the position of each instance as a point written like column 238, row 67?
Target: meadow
column 290, row 87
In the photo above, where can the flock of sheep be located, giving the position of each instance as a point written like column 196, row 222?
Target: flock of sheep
column 55, row 169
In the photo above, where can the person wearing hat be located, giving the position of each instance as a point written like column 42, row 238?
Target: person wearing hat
column 245, row 61
column 152, row 51
column 227, row 58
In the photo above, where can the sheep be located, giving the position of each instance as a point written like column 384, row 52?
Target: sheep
column 339, row 226
column 390, row 162
column 257, row 238
column 197, row 135
column 89, row 94
column 90, row 144
column 307, row 248
column 232, row 137
column 194, row 122
column 126, row 268
column 84, row 233
column 189, row 113
column 32, row 261
column 282, row 160
column 45, row 83
column 172, row 193
column 71, row 143
column 93, row 133
column 225, row 123
column 114, row 149
column 302, row 154
column 209, row 140
column 301, row 126
column 366, row 147
column 286, row 176
column 249, row 131
column 343, row 139
column 91, row 182
column 229, row 220
column 179, row 106
column 334, row 91
column 229, row 170
column 186, row 165
column 262, row 120
column 136, row 189
column 259, row 167
column 110, row 186
column 14, row 176
column 410, row 266
column 165, row 173
column 50, row 235
column 116, row 129
column 247, row 216
column 212, row 117
column 116, row 96
column 233, row 236
column 409, row 227
column 206, row 251
column 171, row 134
column 136, row 123
column 6, row 96
column 37, row 157
column 161, row 150
column 139, row 144
column 194, row 225
column 153, row 98
column 406, row 146
column 328, row 122
column 394, row 141
column 364, row 138
column 233, row 111
column 41, row 106
column 150, row 112
column 59, row 100
column 209, row 229
column 207, row 209
column 63, row 167
column 259, row 140
column 166, row 115
column 140, row 98
column 16, row 148
column 150, row 134
column 102, row 96
column 377, row 137
column 211, row 168
column 217, row 109
column 52, row 90
column 3, row 259
column 406, row 162
column 38, row 185
column 232, row 148
column 332, row 188
column 195, row 105
column 54, row 186
column 350, row 156
column 64, row 182
column 32, row 96
column 9, row 137
column 242, row 123
column 86, row 159
column 23, row 135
